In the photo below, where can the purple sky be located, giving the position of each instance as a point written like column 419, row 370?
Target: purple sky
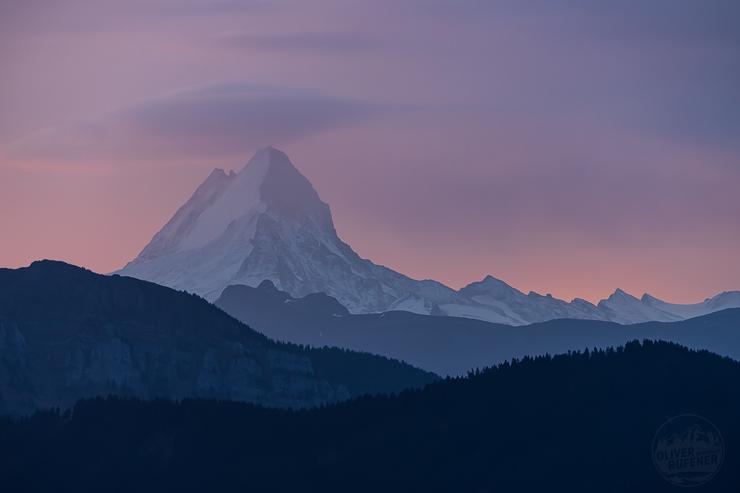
column 569, row 147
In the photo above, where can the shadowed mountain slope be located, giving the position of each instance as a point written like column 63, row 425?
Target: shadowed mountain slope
column 68, row 333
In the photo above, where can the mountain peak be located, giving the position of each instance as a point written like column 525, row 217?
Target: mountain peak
column 264, row 222
column 285, row 191
column 621, row 294
column 229, row 204
column 50, row 265
column 648, row 298
column 268, row 157
column 490, row 286
column 220, row 174
column 492, row 281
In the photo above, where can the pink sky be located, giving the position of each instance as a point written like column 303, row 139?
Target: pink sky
column 564, row 147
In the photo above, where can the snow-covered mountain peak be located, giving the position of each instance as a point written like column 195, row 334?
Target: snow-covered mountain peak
column 582, row 303
column 286, row 192
column 267, row 222
column 490, row 286
column 535, row 294
column 726, row 299
column 267, row 226
column 620, row 294
column 260, row 165
column 622, row 307
column 647, row 298
column 268, row 184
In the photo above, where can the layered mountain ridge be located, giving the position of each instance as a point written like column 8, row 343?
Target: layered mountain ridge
column 67, row 333
column 267, row 222
column 455, row 345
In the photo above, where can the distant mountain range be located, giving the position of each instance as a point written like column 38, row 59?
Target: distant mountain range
column 455, row 345
column 67, row 333
column 268, row 222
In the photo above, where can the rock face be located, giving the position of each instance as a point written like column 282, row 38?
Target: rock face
column 102, row 359
column 268, row 222
column 67, row 333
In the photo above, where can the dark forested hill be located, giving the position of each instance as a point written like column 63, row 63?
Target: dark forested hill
column 67, row 333
column 454, row 345
column 577, row 423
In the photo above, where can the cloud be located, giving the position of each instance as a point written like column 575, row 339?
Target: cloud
column 211, row 121
column 315, row 42
column 673, row 20
column 95, row 15
column 688, row 20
